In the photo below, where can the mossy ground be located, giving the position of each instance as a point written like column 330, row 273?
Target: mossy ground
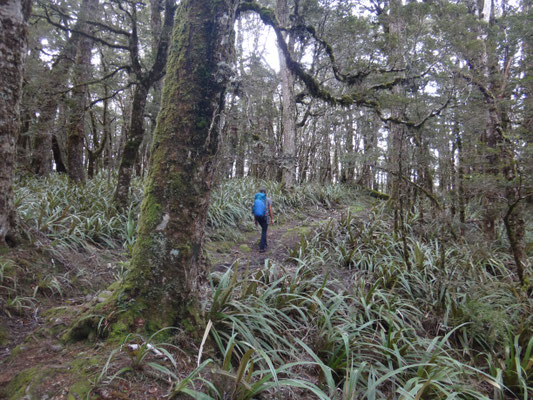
column 53, row 288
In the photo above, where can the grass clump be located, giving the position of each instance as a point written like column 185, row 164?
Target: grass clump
column 67, row 215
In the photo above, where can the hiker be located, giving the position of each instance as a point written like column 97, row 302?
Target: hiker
column 262, row 212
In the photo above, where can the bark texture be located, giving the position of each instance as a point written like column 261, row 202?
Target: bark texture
column 13, row 17
column 166, row 267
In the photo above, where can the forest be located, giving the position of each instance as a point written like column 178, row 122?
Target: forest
column 393, row 137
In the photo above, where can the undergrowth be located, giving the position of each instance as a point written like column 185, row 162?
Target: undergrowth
column 360, row 311
column 355, row 317
column 55, row 212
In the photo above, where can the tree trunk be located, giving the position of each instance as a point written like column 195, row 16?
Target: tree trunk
column 98, row 145
column 348, row 163
column 167, row 269
column 395, row 27
column 43, row 141
column 58, row 157
column 288, row 108
column 145, row 80
column 78, row 101
column 13, row 17
column 500, row 165
column 130, row 151
column 370, row 145
column 460, row 180
column 23, row 145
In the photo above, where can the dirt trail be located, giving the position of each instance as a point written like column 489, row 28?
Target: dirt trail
column 282, row 238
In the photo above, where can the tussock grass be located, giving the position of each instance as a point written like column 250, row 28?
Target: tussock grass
column 382, row 316
column 74, row 216
column 360, row 312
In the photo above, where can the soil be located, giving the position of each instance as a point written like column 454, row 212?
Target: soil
column 58, row 285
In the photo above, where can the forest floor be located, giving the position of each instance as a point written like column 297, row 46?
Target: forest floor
column 54, row 287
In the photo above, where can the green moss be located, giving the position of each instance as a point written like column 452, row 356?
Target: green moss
column 57, row 312
column 244, row 248
column 193, row 320
column 81, row 365
column 29, row 384
column 118, row 330
column 19, row 385
column 151, row 212
column 376, row 194
column 201, row 123
column 33, row 382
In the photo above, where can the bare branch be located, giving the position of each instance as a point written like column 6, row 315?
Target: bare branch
column 112, row 95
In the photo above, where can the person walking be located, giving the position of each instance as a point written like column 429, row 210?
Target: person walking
column 262, row 212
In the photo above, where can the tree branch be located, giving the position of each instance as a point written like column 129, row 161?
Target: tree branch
column 315, row 88
column 112, row 95
column 416, row 185
column 77, row 31
column 158, row 67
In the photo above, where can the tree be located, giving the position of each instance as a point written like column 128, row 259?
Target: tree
column 13, row 17
column 78, row 101
column 288, row 109
column 489, row 71
column 145, row 79
column 167, row 269
column 46, row 85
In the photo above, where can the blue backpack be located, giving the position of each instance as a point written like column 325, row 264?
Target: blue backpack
column 259, row 207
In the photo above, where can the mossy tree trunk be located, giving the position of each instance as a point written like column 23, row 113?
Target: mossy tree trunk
column 167, row 268
column 13, row 17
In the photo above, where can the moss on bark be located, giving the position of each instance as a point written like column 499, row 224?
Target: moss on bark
column 163, row 285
